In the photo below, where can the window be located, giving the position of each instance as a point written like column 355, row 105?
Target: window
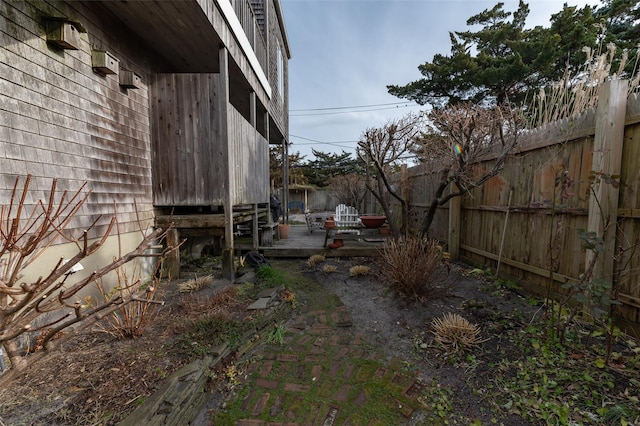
column 280, row 70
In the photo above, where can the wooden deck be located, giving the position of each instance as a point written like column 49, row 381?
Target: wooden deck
column 302, row 244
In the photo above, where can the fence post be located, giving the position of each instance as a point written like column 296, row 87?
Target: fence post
column 607, row 159
column 454, row 227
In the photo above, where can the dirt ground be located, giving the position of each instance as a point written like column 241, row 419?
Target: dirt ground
column 96, row 379
column 400, row 328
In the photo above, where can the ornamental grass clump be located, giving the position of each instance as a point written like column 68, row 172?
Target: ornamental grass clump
column 455, row 333
column 327, row 269
column 195, row 284
column 315, row 259
column 409, row 265
column 359, row 271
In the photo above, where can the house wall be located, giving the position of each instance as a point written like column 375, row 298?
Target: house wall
column 62, row 120
column 59, row 119
column 188, row 162
column 279, row 102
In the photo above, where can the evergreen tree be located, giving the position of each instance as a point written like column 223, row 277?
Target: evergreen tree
column 328, row 165
column 504, row 61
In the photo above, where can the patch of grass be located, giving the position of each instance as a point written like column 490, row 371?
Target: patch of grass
column 195, row 284
column 327, row 269
column 276, row 335
column 561, row 386
column 207, row 333
column 455, row 333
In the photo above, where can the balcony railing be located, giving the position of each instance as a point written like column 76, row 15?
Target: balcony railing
column 247, row 17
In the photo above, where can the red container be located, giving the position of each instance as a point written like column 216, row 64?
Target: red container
column 373, row 221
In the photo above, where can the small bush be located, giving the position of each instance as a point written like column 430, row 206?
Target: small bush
column 455, row 333
column 195, row 284
column 409, row 264
column 359, row 271
column 315, row 259
column 130, row 320
column 327, row 269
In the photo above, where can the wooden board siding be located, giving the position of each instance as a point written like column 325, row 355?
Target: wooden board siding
column 279, row 102
column 188, row 166
column 251, row 161
column 59, row 119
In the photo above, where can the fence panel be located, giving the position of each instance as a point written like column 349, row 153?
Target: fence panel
column 545, row 188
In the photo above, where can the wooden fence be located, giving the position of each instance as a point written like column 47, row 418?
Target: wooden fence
column 580, row 174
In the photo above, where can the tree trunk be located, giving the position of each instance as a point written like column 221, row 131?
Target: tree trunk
column 437, row 200
column 428, row 218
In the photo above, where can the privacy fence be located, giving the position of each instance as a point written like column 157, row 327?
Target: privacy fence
column 572, row 176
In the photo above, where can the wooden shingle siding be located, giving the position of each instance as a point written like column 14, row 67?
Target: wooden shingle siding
column 59, row 119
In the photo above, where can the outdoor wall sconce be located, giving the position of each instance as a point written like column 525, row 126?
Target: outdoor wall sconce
column 104, row 63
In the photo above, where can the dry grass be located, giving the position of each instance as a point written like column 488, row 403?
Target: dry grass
column 197, row 307
column 315, row 259
column 195, row 284
column 409, row 265
column 454, row 333
column 578, row 92
column 359, row 271
column 327, row 269
column 129, row 320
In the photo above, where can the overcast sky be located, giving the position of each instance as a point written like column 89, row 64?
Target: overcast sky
column 345, row 53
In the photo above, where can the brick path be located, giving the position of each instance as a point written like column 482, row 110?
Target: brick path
column 325, row 374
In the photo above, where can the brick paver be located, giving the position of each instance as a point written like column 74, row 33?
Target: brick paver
column 325, row 375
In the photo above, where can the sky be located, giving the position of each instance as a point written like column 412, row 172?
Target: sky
column 344, row 53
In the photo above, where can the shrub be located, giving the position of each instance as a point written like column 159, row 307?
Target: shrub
column 409, row 263
column 315, row 259
column 359, row 271
column 129, row 320
column 195, row 284
column 327, row 269
column 455, row 333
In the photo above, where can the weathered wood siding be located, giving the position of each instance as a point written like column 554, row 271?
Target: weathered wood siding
column 189, row 165
column 187, row 169
column 279, row 101
column 546, row 190
column 250, row 167
column 60, row 119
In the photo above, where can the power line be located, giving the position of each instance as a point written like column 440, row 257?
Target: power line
column 350, row 112
column 314, row 141
column 346, row 107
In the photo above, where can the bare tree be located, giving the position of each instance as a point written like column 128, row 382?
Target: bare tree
column 348, row 189
column 52, row 303
column 457, row 138
column 383, row 149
